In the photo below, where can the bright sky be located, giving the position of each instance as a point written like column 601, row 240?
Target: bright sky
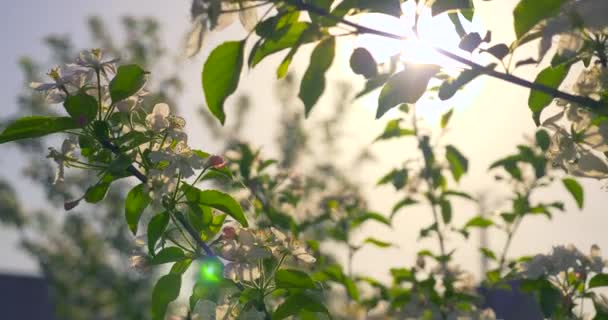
column 492, row 118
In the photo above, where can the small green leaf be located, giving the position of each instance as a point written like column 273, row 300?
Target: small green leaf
column 459, row 164
column 156, row 228
column 445, row 118
column 180, row 267
column 217, row 200
column 378, row 243
column 82, row 107
column 479, row 222
column 393, row 130
column 97, row 192
column 296, row 303
column 551, row 77
column 488, row 253
column 576, row 190
column 500, row 51
column 398, row 178
column 528, row 13
column 441, row 6
column 128, row 81
column 543, row 140
column 406, row 86
column 358, row 220
column 137, row 200
column 166, row 290
column 362, row 62
column 313, row 82
column 446, row 210
column 449, row 87
column 282, row 36
column 599, row 280
column 36, row 126
column 288, row 278
column 170, row 254
column 389, row 7
column 221, row 74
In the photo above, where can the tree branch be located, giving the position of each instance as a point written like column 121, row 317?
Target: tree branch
column 595, row 105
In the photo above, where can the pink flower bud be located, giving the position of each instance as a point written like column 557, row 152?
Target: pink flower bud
column 71, row 205
column 216, row 162
column 228, row 233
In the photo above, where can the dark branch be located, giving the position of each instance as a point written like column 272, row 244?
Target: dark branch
column 595, row 105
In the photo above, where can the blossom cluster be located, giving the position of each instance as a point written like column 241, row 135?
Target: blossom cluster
column 562, row 260
column 243, row 248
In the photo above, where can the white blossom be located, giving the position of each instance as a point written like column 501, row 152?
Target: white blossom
column 284, row 244
column 180, row 158
column 62, row 79
column 67, row 153
column 159, row 118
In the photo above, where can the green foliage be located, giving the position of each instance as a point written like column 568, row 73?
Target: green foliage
column 598, row 280
column 406, row 86
column 313, row 83
column 459, row 165
column 576, row 190
column 156, row 228
column 82, row 107
column 221, row 75
column 551, row 77
column 287, row 278
column 128, row 81
column 165, row 291
column 170, row 254
column 528, row 13
column 296, row 303
column 136, row 202
column 217, row 200
column 36, row 126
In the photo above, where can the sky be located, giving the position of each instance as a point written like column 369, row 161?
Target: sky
column 491, row 118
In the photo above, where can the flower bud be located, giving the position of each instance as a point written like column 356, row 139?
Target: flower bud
column 71, row 204
column 228, row 233
column 216, row 162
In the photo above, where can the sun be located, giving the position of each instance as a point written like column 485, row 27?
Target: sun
column 433, row 32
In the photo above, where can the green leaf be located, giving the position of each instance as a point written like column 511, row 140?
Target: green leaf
column 398, row 177
column 441, row 6
column 599, row 280
column 285, row 36
column 378, row 243
column 362, row 62
column 36, row 126
column 156, row 228
column 166, row 290
column 488, row 253
column 528, row 13
column 551, row 77
column 180, row 267
column 128, row 81
column 406, row 86
column 358, row 220
column 288, row 278
column 459, row 164
column 543, row 140
column 97, row 192
column 446, row 210
column 137, row 200
column 296, row 303
column 217, row 200
column 445, row 118
column 221, row 74
column 576, row 190
column 401, row 204
column 170, row 254
column 313, row 83
column 479, row 222
column 82, row 107
column 389, row 7
column 393, row 130
column 449, row 87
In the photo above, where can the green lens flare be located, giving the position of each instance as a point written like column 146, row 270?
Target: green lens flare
column 212, row 270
